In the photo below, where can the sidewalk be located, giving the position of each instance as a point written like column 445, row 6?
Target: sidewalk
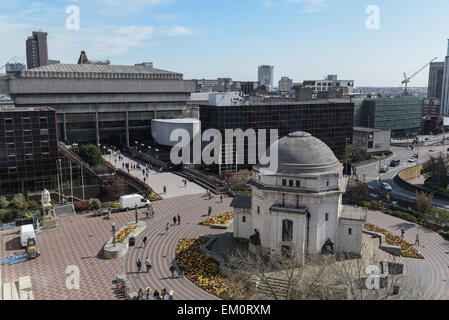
column 157, row 181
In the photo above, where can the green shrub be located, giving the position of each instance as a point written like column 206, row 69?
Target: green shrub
column 8, row 215
column 20, row 202
column 445, row 234
column 3, row 203
column 89, row 153
column 94, row 204
column 365, row 204
column 34, row 205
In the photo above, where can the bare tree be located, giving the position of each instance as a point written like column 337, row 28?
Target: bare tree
column 318, row 277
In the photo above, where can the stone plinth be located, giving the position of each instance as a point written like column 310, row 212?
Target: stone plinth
column 48, row 221
column 117, row 250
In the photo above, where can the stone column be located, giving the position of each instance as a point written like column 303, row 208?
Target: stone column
column 97, row 128
column 64, row 126
column 127, row 128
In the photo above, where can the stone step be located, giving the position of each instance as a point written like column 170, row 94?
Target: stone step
column 15, row 290
column 7, row 291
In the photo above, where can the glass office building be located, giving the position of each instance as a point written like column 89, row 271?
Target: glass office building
column 28, row 149
column 330, row 121
column 402, row 115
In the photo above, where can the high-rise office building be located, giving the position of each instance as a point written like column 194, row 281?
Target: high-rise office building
column 266, row 76
column 36, row 49
column 444, row 110
column 28, row 149
column 435, row 86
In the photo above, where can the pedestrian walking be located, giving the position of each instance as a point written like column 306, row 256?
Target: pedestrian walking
column 156, row 295
column 185, row 183
column 144, row 240
column 165, row 189
column 181, row 269
column 123, row 165
column 152, row 211
column 163, row 293
column 170, row 295
column 209, row 211
column 179, row 219
column 174, row 221
column 144, row 179
column 417, row 240
column 140, row 294
column 221, row 198
column 172, row 270
column 167, row 227
column 143, row 172
column 139, row 265
column 148, row 264
column 167, row 296
column 402, row 233
column 148, row 291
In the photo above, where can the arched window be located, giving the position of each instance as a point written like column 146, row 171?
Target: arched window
column 287, row 230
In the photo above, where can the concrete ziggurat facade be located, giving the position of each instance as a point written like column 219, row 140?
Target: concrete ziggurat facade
column 300, row 207
column 109, row 103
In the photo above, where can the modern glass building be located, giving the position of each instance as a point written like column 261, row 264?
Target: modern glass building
column 266, row 76
column 28, row 149
column 402, row 115
column 331, row 121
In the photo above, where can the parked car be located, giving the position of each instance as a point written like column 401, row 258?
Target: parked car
column 431, row 150
column 383, row 170
column 385, row 186
column 412, row 160
column 395, row 163
column 415, row 156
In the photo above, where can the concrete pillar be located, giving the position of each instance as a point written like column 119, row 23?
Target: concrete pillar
column 97, row 128
column 127, row 128
column 64, row 127
column 155, row 115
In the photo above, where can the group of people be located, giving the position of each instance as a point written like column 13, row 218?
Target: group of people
column 163, row 295
column 416, row 239
column 176, row 221
column 148, row 264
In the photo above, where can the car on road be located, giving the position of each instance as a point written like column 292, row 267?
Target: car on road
column 385, row 186
column 415, row 156
column 395, row 163
column 383, row 170
column 412, row 160
column 431, row 150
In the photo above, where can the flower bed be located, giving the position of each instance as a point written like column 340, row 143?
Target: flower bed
column 121, row 236
column 223, row 219
column 407, row 250
column 202, row 270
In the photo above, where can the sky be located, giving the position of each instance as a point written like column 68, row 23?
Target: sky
column 302, row 39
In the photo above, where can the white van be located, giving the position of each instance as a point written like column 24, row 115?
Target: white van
column 26, row 231
column 130, row 202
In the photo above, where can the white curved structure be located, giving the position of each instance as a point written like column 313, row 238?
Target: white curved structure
column 161, row 129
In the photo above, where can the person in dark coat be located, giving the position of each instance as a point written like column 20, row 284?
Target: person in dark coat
column 179, row 219
column 144, row 240
column 172, row 270
column 156, row 295
column 181, row 270
column 139, row 265
column 209, row 211
column 174, row 221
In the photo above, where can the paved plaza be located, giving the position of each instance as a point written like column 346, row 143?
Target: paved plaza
column 79, row 239
column 157, row 181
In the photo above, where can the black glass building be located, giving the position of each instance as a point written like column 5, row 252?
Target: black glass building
column 28, row 149
column 331, row 121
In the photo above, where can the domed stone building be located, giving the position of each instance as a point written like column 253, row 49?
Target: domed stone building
column 299, row 208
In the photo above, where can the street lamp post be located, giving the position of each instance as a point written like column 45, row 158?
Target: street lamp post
column 113, row 233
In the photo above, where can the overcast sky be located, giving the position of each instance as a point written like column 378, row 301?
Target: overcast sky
column 302, row 39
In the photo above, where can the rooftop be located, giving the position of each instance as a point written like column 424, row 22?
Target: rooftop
column 99, row 72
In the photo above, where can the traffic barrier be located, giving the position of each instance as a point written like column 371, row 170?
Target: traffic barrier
column 14, row 259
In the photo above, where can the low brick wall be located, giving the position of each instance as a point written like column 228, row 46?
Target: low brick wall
column 394, row 250
column 118, row 250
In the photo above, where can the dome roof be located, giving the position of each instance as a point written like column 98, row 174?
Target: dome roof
column 300, row 152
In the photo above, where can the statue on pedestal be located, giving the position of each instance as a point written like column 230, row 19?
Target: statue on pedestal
column 48, row 220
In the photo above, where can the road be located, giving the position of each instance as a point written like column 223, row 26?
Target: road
column 370, row 173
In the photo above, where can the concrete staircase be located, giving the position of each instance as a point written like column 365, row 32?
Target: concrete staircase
column 17, row 290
